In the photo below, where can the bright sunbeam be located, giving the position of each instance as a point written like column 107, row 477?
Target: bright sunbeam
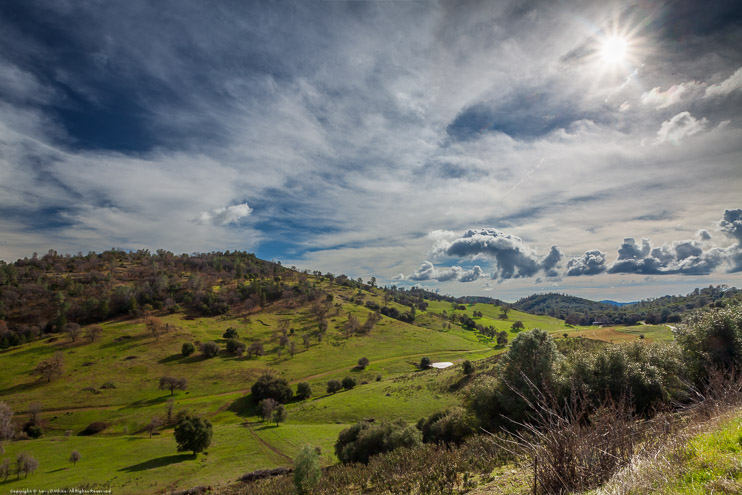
column 614, row 50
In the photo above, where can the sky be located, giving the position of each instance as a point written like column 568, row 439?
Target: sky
column 470, row 147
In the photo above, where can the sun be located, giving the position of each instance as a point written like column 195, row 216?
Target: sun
column 614, row 49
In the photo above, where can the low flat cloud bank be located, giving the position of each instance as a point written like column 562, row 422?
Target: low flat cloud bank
column 511, row 257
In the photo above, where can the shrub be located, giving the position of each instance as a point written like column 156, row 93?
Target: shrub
column 365, row 439
column 362, row 363
column 711, row 339
column 192, row 433
column 425, row 363
column 303, row 391
column 230, row 333
column 33, row 431
column 236, row 347
column 333, row 386
column 451, row 426
column 187, row 349
column 468, row 368
column 93, row 428
column 307, row 471
column 349, row 382
column 209, row 349
column 268, row 386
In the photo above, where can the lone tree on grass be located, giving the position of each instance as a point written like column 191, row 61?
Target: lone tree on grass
column 333, row 386
column 209, row 349
column 349, row 382
column 74, row 457
column 192, row 433
column 52, row 367
column 267, row 406
column 187, row 349
column 280, row 414
column 425, row 363
column 362, row 363
column 303, row 391
column 230, row 333
column 153, row 425
column 72, row 330
column 172, row 384
column 93, row 332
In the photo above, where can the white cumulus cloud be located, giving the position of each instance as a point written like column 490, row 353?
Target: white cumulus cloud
column 225, row 215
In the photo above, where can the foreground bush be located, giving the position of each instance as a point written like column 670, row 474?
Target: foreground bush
column 450, row 426
column 711, row 340
column 424, row 469
column 366, row 438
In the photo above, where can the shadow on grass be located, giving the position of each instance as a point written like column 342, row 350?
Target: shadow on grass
column 22, row 387
column 268, row 426
column 150, row 402
column 158, row 462
column 244, row 406
column 170, row 359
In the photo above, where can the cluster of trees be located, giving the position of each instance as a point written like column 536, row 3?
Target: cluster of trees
column 652, row 375
column 666, row 309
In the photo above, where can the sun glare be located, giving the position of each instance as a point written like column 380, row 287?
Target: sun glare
column 614, row 50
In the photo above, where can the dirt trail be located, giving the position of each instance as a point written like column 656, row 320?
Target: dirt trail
column 266, row 444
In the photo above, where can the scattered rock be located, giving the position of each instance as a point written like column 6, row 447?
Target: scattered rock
column 128, row 358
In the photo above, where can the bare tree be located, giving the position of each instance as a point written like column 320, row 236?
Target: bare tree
column 169, row 409
column 34, row 411
column 6, row 423
column 74, row 457
column 72, row 330
column 292, row 348
column 305, row 338
column 5, row 469
column 52, row 367
column 155, row 326
column 93, row 332
column 255, row 348
column 153, row 425
column 267, row 406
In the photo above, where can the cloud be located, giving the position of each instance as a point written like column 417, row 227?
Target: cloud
column 703, row 235
column 679, row 127
column 729, row 85
column 662, row 99
column 732, row 223
column 630, row 249
column 225, row 215
column 428, row 271
column 590, row 263
column 513, row 257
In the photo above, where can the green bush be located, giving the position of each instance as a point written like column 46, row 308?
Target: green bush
column 230, row 333
column 450, row 426
column 187, row 349
column 711, row 339
column 192, row 433
column 234, row 346
column 349, row 382
column 271, row 387
column 333, row 386
column 209, row 349
column 303, row 391
column 366, row 438
column 307, row 471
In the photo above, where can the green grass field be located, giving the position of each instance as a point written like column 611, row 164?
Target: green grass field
column 123, row 456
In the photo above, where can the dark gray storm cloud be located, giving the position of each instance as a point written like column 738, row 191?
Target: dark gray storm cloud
column 591, row 263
